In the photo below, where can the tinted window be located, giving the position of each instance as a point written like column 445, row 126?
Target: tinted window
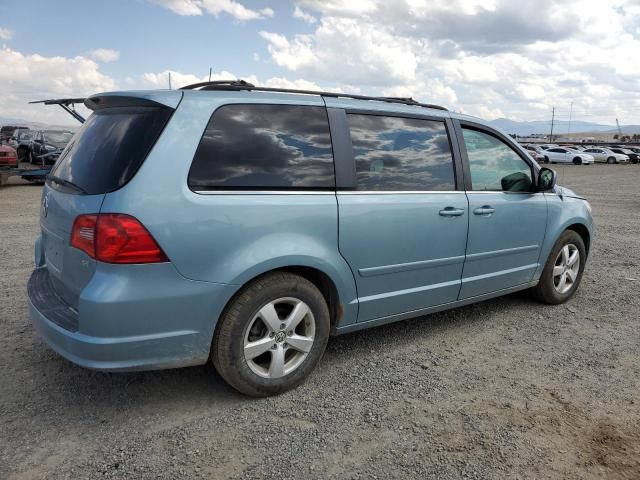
column 110, row 147
column 264, row 146
column 494, row 165
column 394, row 153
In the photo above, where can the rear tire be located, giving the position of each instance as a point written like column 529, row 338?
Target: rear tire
column 272, row 335
column 551, row 288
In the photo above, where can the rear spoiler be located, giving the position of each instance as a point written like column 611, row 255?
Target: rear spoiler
column 67, row 105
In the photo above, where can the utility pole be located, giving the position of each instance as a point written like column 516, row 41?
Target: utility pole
column 553, row 119
column 209, row 73
column 169, row 80
column 570, row 115
column 619, row 129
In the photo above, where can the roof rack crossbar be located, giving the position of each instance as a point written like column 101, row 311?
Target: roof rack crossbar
column 237, row 85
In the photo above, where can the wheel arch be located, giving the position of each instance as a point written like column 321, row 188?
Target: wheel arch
column 584, row 233
column 336, row 291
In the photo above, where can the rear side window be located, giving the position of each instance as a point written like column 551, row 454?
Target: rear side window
column 264, row 147
column 401, row 154
column 110, row 147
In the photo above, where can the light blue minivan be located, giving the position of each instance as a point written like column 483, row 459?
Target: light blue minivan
column 246, row 225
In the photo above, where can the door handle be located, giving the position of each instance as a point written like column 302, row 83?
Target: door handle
column 451, row 212
column 486, row 210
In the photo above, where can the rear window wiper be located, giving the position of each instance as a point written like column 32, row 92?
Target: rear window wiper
column 66, row 183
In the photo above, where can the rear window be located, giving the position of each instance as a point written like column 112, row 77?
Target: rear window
column 264, row 147
column 110, row 147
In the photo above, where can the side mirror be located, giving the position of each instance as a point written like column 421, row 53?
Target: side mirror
column 547, row 179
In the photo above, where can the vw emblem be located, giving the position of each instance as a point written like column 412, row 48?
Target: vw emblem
column 45, row 205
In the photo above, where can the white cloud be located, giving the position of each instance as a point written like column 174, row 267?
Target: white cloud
column 105, row 54
column 483, row 57
column 348, row 51
column 25, row 78
column 5, row 34
column 302, row 15
column 214, row 7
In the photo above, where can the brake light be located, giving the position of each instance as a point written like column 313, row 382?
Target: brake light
column 115, row 238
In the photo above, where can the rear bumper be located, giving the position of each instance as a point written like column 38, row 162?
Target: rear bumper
column 166, row 322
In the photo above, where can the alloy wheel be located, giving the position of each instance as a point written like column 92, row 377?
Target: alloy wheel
column 279, row 337
column 566, row 268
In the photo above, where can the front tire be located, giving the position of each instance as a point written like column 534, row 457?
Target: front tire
column 272, row 335
column 611, row 160
column 577, row 161
column 563, row 271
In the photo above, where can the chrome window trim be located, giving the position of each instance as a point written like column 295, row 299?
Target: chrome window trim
column 358, row 192
column 263, row 192
column 506, row 192
column 399, row 192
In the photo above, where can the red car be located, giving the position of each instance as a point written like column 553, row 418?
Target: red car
column 8, row 156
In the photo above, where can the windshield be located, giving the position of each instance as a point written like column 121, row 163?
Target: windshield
column 26, row 135
column 57, row 137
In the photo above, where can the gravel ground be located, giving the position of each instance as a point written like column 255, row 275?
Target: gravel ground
column 508, row 388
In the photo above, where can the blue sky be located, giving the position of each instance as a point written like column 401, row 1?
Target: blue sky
column 148, row 37
column 490, row 58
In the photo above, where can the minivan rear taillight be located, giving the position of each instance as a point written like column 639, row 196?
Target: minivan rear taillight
column 115, row 238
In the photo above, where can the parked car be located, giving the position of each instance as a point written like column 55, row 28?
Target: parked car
column 6, row 132
column 8, row 156
column 247, row 226
column 22, row 140
column 631, row 155
column 634, row 149
column 12, row 140
column 567, row 155
column 47, row 145
column 601, row 154
column 536, row 152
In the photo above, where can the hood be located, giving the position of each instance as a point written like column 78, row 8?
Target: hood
column 567, row 192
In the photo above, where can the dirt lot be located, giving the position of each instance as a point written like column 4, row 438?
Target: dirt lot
column 504, row 389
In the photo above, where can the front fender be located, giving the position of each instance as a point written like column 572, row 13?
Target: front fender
column 563, row 212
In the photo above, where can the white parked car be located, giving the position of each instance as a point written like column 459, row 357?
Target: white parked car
column 601, row 154
column 567, row 155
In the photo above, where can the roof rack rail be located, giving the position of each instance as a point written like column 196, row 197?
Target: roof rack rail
column 242, row 85
column 220, row 84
